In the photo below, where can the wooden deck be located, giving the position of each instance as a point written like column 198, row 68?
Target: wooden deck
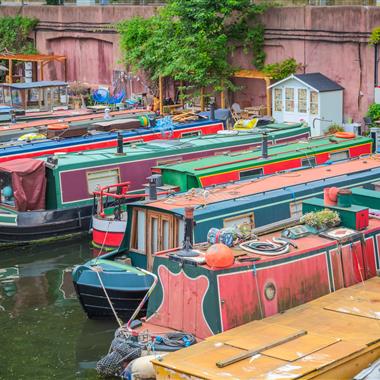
column 333, row 337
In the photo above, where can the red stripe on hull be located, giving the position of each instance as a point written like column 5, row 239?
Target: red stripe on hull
column 207, row 129
column 107, row 240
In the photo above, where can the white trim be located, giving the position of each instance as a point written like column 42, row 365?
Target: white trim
column 292, row 77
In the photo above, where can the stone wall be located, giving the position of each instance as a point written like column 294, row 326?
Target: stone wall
column 330, row 40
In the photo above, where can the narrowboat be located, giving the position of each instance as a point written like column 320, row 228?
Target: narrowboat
column 158, row 225
column 99, row 134
column 258, row 162
column 66, row 206
column 206, row 288
column 234, row 166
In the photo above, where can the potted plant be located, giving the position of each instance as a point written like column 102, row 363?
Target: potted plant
column 318, row 221
column 77, row 91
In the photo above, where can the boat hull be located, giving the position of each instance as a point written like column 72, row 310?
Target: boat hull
column 99, row 282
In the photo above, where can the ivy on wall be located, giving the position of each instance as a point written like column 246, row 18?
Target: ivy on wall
column 282, row 69
column 375, row 36
column 14, row 34
column 193, row 40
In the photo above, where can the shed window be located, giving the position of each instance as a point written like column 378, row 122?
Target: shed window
column 253, row 173
column 240, row 219
column 289, row 99
column 278, row 99
column 339, row 156
column 302, row 100
column 314, row 102
column 101, row 178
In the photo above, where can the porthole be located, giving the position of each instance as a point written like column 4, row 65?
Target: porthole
column 269, row 291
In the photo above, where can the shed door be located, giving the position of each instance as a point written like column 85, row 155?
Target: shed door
column 290, row 109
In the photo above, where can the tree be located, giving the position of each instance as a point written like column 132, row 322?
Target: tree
column 192, row 40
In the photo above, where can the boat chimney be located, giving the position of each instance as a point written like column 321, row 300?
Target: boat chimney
column 120, row 146
column 152, row 187
column 187, row 246
column 264, row 146
column 212, row 111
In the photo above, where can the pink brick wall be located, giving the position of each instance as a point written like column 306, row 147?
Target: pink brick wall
column 331, row 40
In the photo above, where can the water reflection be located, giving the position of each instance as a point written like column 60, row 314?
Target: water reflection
column 46, row 331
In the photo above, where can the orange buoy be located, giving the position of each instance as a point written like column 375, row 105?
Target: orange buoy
column 345, row 135
column 57, row 127
column 219, row 256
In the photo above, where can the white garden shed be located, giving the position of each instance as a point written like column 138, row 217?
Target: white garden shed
column 308, row 97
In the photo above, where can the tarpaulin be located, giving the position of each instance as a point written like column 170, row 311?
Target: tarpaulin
column 28, row 182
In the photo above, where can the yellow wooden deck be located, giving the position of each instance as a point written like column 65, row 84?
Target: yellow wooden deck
column 341, row 337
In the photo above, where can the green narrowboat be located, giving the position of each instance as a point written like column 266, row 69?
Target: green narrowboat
column 235, row 166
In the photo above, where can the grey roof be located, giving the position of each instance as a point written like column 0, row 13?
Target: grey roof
column 319, row 81
column 28, row 85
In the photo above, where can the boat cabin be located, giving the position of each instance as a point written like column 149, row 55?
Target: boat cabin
column 153, row 226
column 313, row 98
column 35, row 96
column 254, row 163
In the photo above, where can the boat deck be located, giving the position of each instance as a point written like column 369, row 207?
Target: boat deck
column 333, row 337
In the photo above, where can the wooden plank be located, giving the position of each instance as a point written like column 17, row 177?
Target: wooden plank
column 257, row 350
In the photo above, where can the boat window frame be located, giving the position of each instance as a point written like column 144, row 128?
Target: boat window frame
column 307, row 160
column 261, row 169
column 88, row 172
column 250, row 215
column 347, row 151
column 191, row 134
column 295, row 208
column 134, row 229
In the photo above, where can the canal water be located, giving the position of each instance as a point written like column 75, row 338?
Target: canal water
column 44, row 334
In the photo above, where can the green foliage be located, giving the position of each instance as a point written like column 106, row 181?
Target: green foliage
column 334, row 128
column 282, row 69
column 192, row 40
column 374, row 111
column 53, row 2
column 14, row 34
column 321, row 219
column 375, row 36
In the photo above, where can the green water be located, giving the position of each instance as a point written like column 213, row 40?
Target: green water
column 44, row 334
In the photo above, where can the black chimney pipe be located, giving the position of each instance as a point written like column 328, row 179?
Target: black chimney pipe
column 152, row 188
column 187, row 246
column 264, row 146
column 120, row 147
column 212, row 111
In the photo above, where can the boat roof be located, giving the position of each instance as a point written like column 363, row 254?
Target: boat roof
column 245, row 189
column 233, row 161
column 158, row 147
column 326, row 339
column 29, row 85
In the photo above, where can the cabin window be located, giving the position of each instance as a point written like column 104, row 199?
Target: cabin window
column 302, row 100
column 289, row 99
column 160, row 232
column 101, row 178
column 253, row 173
column 278, row 99
column 191, row 134
column 138, row 230
column 295, row 209
column 240, row 219
column 339, row 156
column 314, row 102
column 180, row 231
column 308, row 162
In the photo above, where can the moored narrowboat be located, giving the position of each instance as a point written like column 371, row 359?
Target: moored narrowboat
column 234, row 166
column 159, row 225
column 71, row 179
column 255, row 163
